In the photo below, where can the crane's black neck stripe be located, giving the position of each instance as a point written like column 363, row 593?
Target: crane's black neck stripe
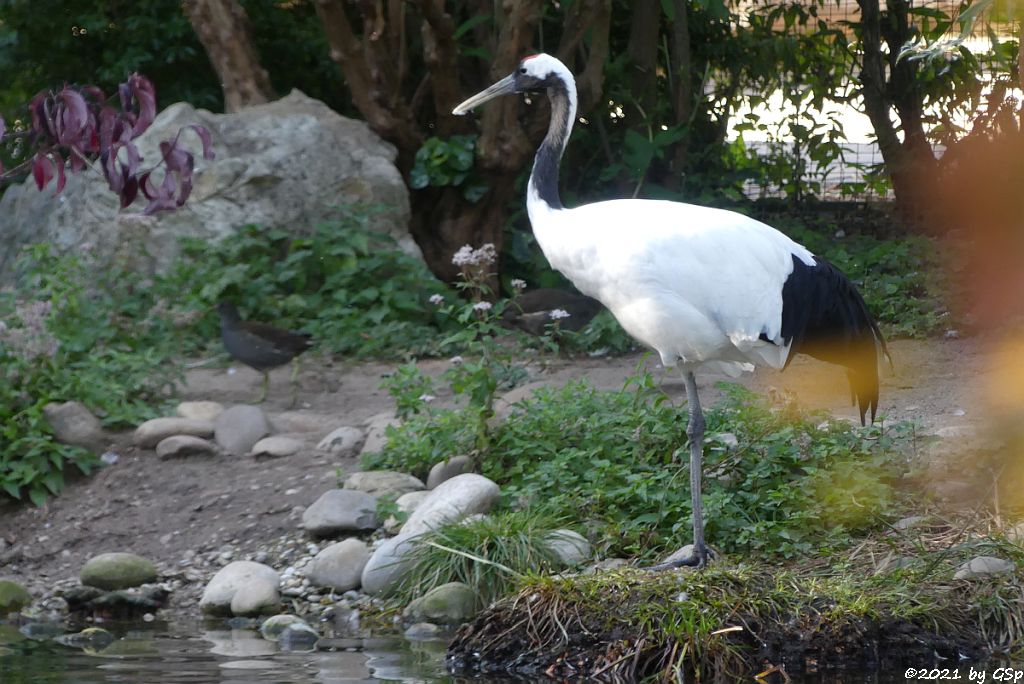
column 544, row 178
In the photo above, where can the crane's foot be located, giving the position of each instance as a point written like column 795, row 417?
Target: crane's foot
column 698, row 558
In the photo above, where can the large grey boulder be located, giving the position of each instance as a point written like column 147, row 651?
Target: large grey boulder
column 388, row 565
column 117, row 571
column 448, row 604
column 383, row 482
column 73, row 424
column 243, row 586
column 13, row 597
column 572, row 548
column 288, row 163
column 239, row 428
column 341, row 510
column 339, row 566
column 442, row 471
column 451, row 501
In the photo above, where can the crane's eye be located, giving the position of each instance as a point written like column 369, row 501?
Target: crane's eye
column 522, row 70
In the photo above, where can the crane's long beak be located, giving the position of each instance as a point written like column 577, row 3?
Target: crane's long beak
column 505, row 86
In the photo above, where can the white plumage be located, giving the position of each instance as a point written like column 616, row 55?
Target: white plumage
column 704, row 287
column 696, row 284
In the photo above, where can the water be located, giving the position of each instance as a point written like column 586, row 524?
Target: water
column 194, row 654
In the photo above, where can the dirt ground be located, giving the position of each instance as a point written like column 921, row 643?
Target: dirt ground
column 165, row 510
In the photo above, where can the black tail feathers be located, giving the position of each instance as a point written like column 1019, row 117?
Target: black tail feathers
column 824, row 316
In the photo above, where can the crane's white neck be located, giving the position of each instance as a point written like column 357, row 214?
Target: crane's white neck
column 543, row 186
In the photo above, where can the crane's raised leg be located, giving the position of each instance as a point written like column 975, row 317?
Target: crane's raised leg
column 695, row 431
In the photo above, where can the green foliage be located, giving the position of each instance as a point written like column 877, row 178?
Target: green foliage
column 352, row 289
column 491, row 554
column 447, row 162
column 617, row 462
column 73, row 331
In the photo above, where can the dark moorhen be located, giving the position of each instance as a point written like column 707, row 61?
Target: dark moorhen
column 259, row 345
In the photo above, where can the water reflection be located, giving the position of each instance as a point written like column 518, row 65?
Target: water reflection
column 170, row 654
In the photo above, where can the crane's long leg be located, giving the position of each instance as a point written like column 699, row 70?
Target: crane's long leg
column 695, row 431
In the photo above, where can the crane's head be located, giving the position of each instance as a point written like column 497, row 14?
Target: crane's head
column 533, row 74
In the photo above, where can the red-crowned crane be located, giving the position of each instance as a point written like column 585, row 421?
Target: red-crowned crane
column 705, row 288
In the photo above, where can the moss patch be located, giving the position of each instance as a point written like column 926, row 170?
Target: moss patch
column 743, row 618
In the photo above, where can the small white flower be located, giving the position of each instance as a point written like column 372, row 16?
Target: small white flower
column 427, row 398
column 558, row 314
column 467, row 256
column 485, row 306
column 455, row 360
column 436, row 299
column 464, row 257
column 487, row 254
column 518, row 284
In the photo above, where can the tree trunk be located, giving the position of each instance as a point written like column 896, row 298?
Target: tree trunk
column 223, row 28
column 910, row 162
column 643, row 57
column 682, row 84
column 366, row 39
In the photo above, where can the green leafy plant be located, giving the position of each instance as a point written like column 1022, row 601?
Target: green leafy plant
column 70, row 333
column 776, row 481
column 348, row 286
column 440, row 163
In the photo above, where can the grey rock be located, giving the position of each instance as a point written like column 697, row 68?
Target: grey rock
column 219, row 593
column 341, row 510
column 423, row 631
column 317, row 160
column 911, row 522
column 275, row 624
column 94, row 638
column 73, row 424
column 406, row 503
column 339, row 566
column 256, row 598
column 682, row 552
column 448, row 604
column 200, row 410
column 451, row 501
column 572, row 548
column 446, row 470
column 299, row 637
column 154, row 431
column 983, row 566
column 117, row 571
column 238, row 428
column 277, row 446
column 376, row 432
column 344, row 441
column 387, row 566
column 383, row 483
column 13, row 597
column 181, row 446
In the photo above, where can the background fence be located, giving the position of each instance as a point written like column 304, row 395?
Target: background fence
column 854, row 176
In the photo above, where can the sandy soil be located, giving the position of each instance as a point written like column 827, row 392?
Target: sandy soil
column 163, row 510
